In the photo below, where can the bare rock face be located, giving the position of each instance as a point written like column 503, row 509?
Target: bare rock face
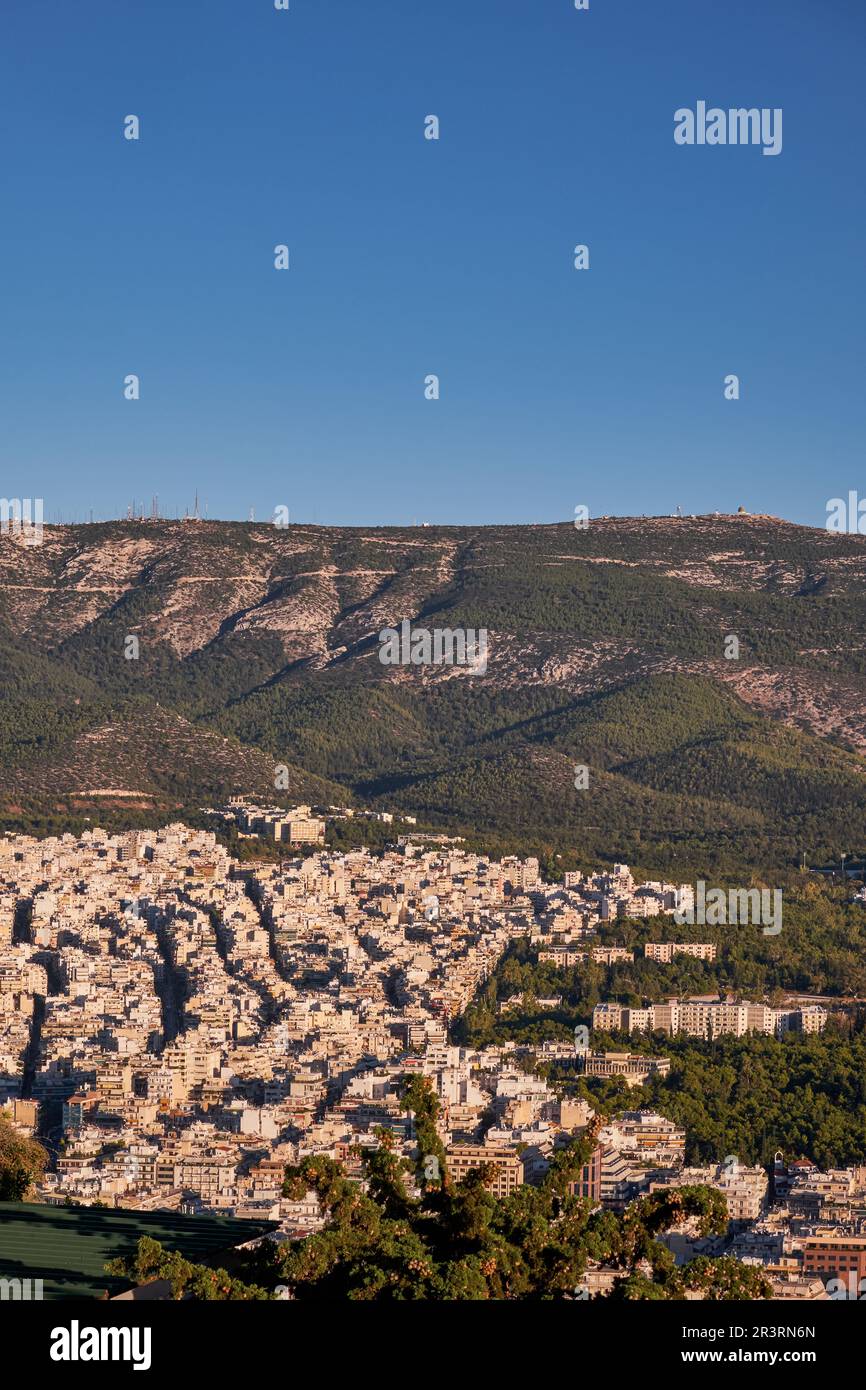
column 832, row 707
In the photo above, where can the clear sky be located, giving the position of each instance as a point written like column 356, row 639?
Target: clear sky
column 305, row 388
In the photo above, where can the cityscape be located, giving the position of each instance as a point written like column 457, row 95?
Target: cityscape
column 182, row 1028
column 432, row 683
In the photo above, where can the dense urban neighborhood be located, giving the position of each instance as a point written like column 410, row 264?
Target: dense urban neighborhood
column 180, row 1027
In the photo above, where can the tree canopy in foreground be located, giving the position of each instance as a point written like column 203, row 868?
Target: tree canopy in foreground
column 390, row 1239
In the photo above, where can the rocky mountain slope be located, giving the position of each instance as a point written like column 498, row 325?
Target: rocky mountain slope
column 258, row 645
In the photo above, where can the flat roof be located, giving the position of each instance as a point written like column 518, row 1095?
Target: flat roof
column 68, row 1247
column 809, row 1242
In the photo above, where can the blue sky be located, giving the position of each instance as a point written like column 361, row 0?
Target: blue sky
column 305, row 388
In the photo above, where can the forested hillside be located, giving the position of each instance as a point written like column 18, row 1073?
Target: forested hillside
column 258, row 645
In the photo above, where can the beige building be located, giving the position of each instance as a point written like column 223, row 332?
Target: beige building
column 300, row 828
column 665, row 951
column 633, row 1067
column 462, row 1158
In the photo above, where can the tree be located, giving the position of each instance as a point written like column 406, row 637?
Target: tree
column 22, row 1163
column 458, row 1241
column 189, row 1281
column 418, row 1097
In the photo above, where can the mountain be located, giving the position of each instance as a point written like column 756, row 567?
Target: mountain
column 258, row 645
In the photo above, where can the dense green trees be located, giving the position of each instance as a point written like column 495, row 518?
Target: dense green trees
column 188, row 1280
column 820, row 950
column 750, row 1096
column 22, row 1162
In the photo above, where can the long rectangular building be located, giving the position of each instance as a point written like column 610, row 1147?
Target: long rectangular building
column 665, row 951
column 703, row 1019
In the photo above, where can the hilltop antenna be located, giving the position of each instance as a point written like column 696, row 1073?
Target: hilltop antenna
column 195, row 513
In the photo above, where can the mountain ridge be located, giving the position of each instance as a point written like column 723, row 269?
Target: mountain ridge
column 258, row 645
